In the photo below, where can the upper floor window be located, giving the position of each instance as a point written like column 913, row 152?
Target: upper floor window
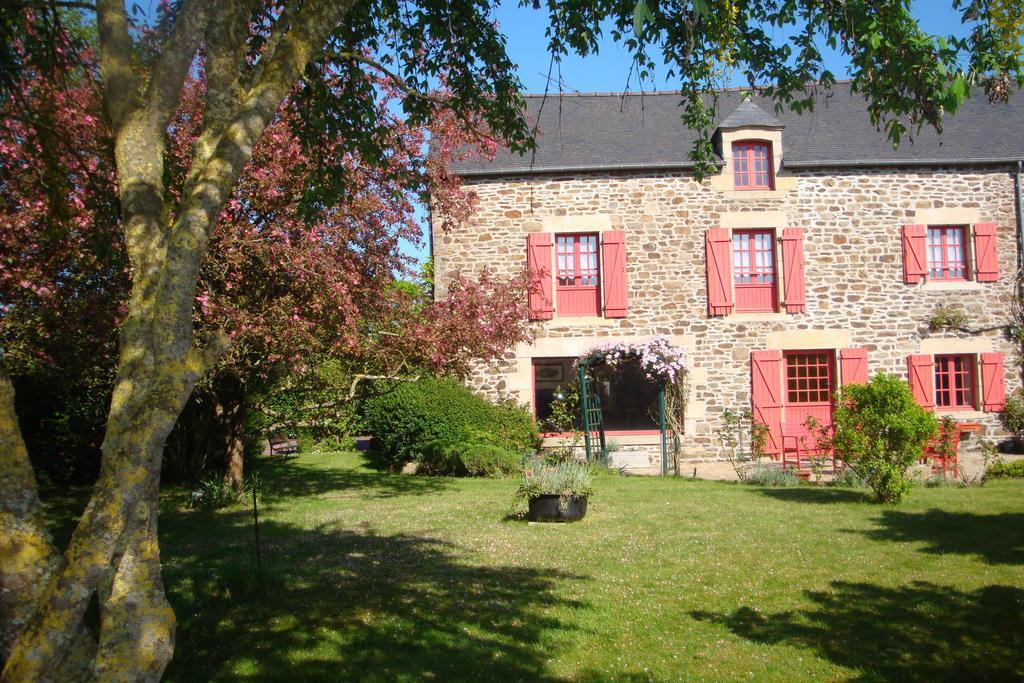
column 947, row 255
column 950, row 253
column 752, row 165
column 578, row 275
column 753, row 267
column 954, row 382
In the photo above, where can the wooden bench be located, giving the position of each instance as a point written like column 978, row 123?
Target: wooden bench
column 282, row 444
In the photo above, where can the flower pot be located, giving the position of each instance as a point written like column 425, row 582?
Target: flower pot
column 549, row 508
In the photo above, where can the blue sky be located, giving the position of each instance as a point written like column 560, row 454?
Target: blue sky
column 608, row 70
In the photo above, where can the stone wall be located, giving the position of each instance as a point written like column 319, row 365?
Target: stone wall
column 853, row 269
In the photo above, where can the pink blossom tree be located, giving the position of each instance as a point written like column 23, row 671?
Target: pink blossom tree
column 277, row 273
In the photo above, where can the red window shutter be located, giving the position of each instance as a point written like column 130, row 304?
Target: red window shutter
column 985, row 255
column 793, row 270
column 993, row 383
column 613, row 252
column 915, row 253
column 538, row 263
column 921, row 374
column 853, row 363
column 766, row 395
column 719, row 261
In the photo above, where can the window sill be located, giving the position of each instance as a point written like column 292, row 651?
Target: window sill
column 941, row 286
column 576, row 320
column 755, row 194
column 767, row 316
column 960, row 414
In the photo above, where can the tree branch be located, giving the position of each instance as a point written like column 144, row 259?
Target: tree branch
column 51, row 4
column 210, row 187
column 120, row 82
column 397, row 80
column 176, row 57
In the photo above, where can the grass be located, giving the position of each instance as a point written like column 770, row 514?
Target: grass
column 374, row 576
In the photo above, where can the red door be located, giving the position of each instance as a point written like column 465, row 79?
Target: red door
column 810, row 382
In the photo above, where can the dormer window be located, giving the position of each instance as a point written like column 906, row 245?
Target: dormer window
column 752, row 165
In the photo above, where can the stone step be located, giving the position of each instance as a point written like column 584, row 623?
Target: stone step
column 628, row 460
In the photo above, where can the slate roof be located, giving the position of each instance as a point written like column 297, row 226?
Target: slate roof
column 606, row 132
column 749, row 114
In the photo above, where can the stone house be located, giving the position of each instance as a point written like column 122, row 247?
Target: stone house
column 816, row 255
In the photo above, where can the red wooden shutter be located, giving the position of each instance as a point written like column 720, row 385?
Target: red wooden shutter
column 853, row 363
column 985, row 255
column 915, row 253
column 719, row 261
column 613, row 252
column 538, row 262
column 793, row 269
column 766, row 394
column 921, row 373
column 993, row 384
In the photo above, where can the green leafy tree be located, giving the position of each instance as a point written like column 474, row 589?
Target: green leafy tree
column 880, row 431
column 316, row 54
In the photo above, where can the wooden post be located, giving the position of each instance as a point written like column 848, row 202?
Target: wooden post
column 661, row 425
column 581, row 373
column 256, row 529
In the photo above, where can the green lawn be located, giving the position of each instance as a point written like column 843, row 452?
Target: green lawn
column 374, row 576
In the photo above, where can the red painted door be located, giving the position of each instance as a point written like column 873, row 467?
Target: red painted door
column 810, row 382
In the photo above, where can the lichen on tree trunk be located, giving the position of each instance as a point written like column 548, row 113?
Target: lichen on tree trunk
column 114, row 550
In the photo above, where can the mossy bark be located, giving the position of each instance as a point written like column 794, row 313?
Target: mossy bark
column 114, row 549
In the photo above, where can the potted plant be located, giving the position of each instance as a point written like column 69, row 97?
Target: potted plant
column 556, row 491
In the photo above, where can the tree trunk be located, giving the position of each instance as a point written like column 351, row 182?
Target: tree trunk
column 159, row 363
column 28, row 558
column 137, row 621
column 231, row 417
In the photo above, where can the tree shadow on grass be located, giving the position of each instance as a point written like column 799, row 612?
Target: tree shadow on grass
column 816, row 495
column 339, row 604
column 921, row 631
column 288, row 479
column 995, row 539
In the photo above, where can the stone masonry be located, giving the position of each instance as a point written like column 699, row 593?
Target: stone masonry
column 853, row 270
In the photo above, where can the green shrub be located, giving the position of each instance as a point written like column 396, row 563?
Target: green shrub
column 847, row 478
column 1006, row 470
column 408, row 416
column 471, row 458
column 766, row 475
column 486, row 460
column 880, row 431
column 214, row 493
column 1013, row 415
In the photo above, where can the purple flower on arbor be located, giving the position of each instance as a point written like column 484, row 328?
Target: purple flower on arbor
column 661, row 360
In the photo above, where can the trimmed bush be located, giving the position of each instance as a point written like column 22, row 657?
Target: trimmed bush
column 1006, row 470
column 880, row 431
column 472, row 459
column 407, row 418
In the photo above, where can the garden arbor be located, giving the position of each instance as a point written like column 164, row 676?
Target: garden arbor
column 661, row 362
